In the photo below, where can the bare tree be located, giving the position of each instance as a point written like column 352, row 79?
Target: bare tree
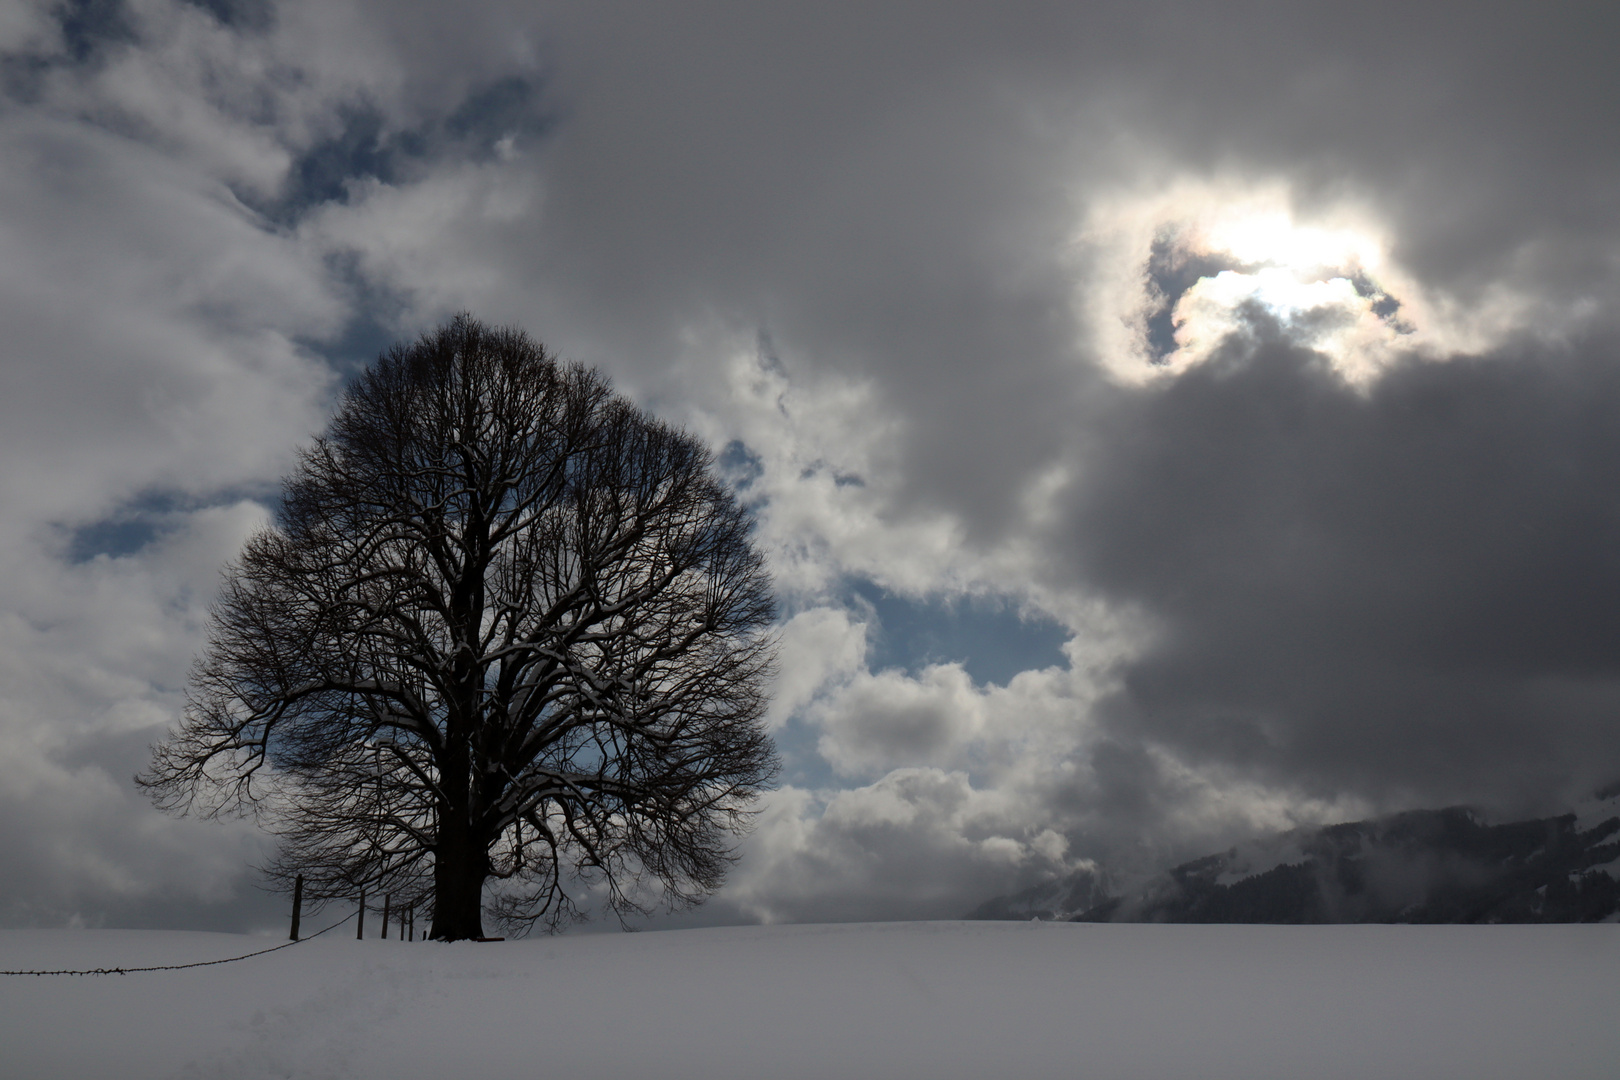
column 507, row 627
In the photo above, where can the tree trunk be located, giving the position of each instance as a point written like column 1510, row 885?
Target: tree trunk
column 460, row 861
column 458, row 893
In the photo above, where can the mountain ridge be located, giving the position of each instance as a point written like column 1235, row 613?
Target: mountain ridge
column 1418, row 866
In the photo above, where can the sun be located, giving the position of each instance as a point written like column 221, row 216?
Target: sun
column 1275, row 239
column 1183, row 271
column 1322, row 280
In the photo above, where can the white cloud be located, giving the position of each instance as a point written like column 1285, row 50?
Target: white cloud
column 918, row 843
column 1013, row 735
column 880, row 720
column 91, row 661
column 194, row 90
column 150, row 323
column 818, row 649
column 462, row 235
column 157, row 356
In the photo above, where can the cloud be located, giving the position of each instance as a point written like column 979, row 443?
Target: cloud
column 1405, row 594
column 905, row 267
column 26, row 27
column 887, row 718
column 912, row 845
column 92, row 658
column 152, row 324
column 156, row 375
column 824, row 648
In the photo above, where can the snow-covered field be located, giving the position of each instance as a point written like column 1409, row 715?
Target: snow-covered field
column 925, row 1000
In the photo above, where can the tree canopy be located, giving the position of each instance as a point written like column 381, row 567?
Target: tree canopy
column 506, row 628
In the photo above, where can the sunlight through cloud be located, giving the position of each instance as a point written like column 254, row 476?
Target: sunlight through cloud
column 1176, row 275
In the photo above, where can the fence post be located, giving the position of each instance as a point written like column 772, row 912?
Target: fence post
column 388, row 901
column 412, row 910
column 298, row 905
column 360, row 923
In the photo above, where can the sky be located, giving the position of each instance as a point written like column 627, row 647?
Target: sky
column 1166, row 423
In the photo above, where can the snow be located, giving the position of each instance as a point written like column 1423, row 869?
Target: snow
column 1590, row 813
column 896, row 1000
column 1259, row 856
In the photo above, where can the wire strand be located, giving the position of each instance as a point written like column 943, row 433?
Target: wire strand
column 182, row 967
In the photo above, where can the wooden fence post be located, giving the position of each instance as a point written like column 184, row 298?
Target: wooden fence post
column 298, row 905
column 413, row 922
column 360, row 923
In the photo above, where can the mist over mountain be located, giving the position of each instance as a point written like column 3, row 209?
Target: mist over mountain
column 1086, row 889
column 1422, row 866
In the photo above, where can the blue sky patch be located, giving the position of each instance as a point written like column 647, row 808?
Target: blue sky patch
column 991, row 640
column 147, row 518
column 88, row 24
column 739, row 465
column 114, row 537
column 239, row 14
column 797, row 744
column 367, row 148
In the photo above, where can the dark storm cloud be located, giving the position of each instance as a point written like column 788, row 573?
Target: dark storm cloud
column 1412, row 594
column 847, row 179
column 890, row 188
